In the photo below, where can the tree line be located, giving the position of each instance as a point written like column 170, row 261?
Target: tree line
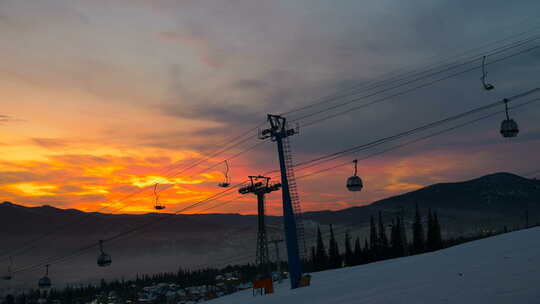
column 385, row 241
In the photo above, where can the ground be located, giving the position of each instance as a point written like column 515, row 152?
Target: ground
column 500, row 269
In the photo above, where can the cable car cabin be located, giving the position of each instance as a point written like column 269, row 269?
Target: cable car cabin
column 509, row 128
column 44, row 282
column 354, row 183
column 104, row 260
column 159, row 207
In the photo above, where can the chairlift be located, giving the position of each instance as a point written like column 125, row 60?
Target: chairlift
column 226, row 183
column 45, row 282
column 354, row 183
column 157, row 206
column 509, row 127
column 487, row 86
column 9, row 274
column 103, row 259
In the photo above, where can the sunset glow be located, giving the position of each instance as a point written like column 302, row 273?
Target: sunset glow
column 97, row 107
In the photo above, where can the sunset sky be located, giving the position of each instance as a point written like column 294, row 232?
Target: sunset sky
column 100, row 99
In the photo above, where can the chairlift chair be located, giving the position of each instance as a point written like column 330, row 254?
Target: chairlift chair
column 487, row 86
column 45, row 282
column 226, row 183
column 103, row 259
column 354, row 183
column 157, row 206
column 509, row 127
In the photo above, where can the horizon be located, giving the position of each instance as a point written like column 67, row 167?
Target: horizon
column 253, row 214
column 104, row 100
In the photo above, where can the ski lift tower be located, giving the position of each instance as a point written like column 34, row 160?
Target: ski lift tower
column 279, row 133
column 260, row 186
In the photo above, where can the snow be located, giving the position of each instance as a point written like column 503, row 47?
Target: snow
column 500, row 269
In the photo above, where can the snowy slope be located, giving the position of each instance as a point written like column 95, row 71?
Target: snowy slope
column 501, row 269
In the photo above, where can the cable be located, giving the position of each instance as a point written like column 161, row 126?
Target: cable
column 427, row 126
column 145, row 225
column 413, row 72
column 227, row 147
column 420, row 139
column 402, row 92
column 127, row 232
column 335, row 114
column 415, row 88
column 25, row 247
column 432, row 71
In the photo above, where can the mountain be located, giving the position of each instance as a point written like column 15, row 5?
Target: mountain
column 491, row 201
column 486, row 203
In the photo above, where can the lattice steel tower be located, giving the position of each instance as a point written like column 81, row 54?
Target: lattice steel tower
column 260, row 186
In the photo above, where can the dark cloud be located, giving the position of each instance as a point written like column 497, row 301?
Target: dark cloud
column 50, row 143
column 11, row 177
column 8, row 119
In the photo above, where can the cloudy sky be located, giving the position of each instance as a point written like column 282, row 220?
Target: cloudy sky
column 101, row 98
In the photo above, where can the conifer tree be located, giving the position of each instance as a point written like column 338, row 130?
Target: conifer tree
column 383, row 239
column 418, row 233
column 313, row 258
column 349, row 256
column 333, row 251
column 368, row 256
column 399, row 249
column 373, row 240
column 393, row 239
column 437, row 235
column 403, row 233
column 358, row 256
column 321, row 256
column 430, row 239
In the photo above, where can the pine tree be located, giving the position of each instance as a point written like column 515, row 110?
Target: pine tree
column 399, row 247
column 313, row 259
column 437, row 235
column 349, row 256
column 383, row 239
column 321, row 256
column 403, row 234
column 394, row 235
column 373, row 240
column 418, row 233
column 367, row 252
column 430, row 239
column 358, row 256
column 333, row 251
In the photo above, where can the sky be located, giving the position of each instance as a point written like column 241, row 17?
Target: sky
column 101, row 99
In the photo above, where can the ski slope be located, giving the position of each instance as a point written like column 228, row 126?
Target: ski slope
column 500, row 269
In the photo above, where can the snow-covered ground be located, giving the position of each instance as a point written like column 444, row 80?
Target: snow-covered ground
column 500, row 269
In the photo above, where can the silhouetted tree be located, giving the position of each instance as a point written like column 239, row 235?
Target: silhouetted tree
column 418, row 233
column 358, row 254
column 349, row 255
column 434, row 237
column 333, row 251
column 438, row 244
column 373, row 240
column 321, row 256
column 398, row 245
column 382, row 250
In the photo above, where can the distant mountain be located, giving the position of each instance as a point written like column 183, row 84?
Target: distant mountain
column 493, row 200
column 488, row 202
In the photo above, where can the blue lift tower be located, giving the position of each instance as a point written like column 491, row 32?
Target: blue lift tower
column 294, row 230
